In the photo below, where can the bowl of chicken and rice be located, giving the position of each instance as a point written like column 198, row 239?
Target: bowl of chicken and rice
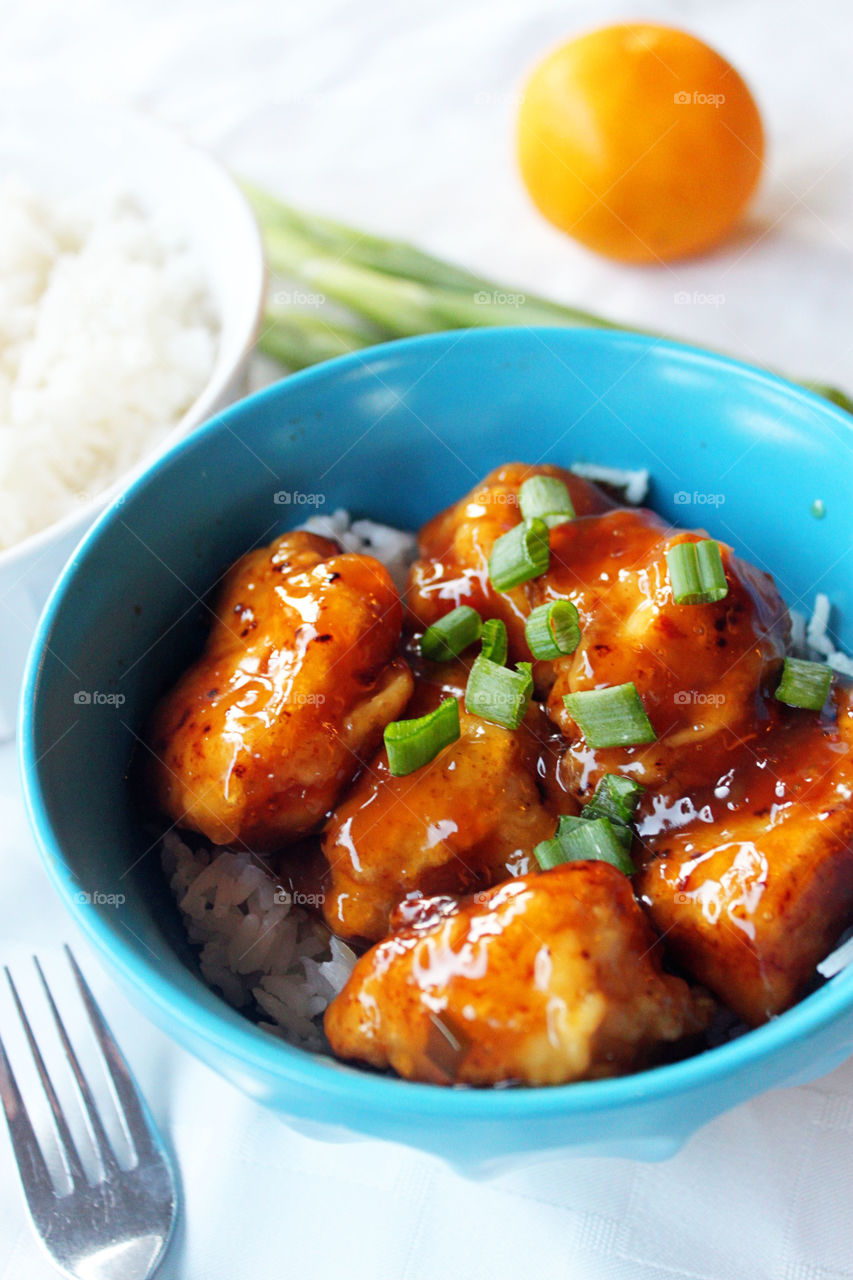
column 410, row 836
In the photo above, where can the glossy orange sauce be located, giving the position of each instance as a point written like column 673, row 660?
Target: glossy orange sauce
column 744, row 830
column 730, row 763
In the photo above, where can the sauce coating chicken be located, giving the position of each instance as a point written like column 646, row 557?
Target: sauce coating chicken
column 753, row 883
column 454, row 548
column 466, row 820
column 297, row 681
column 542, row 980
column 744, row 823
column 698, row 669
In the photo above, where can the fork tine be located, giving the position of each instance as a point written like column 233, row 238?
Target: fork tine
column 102, row 1142
column 63, row 1133
column 34, row 1171
column 131, row 1103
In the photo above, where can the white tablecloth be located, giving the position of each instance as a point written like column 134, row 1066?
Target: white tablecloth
column 399, row 116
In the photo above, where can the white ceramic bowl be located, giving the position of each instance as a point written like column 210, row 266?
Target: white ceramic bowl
column 60, row 148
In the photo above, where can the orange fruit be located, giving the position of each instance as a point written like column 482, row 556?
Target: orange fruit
column 640, row 141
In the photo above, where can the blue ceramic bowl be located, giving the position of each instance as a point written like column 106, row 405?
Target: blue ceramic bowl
column 396, row 433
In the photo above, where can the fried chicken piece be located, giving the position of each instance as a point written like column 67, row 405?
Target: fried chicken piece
column 455, row 545
column 542, row 980
column 755, row 890
column 466, row 820
column 298, row 679
column 697, row 668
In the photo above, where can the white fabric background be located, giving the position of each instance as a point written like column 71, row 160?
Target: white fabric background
column 398, row 116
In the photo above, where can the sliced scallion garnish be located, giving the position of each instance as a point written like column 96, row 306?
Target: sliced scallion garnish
column 498, row 694
column 452, row 634
column 615, row 798
column 519, row 555
column 494, row 641
column 413, row 743
column 613, row 717
column 577, row 840
column 804, row 684
column 552, row 630
column 549, row 853
column 545, row 496
column 696, row 572
column 597, row 840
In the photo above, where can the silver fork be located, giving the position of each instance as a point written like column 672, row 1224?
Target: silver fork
column 119, row 1228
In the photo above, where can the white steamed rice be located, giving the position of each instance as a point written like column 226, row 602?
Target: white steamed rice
column 634, row 483
column 394, row 547
column 268, row 957
column 107, row 335
column 819, row 642
column 272, row 958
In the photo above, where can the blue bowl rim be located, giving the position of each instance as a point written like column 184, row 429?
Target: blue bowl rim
column 236, row 1035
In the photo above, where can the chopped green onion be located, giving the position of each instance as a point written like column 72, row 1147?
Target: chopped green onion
column 495, row 643
column 413, row 743
column 519, row 555
column 549, row 853
column 625, row 835
column 453, row 633
column 542, row 496
column 497, row 694
column 579, row 841
column 552, row 630
column 613, row 717
column 804, row 684
column 598, row 841
column 615, row 798
column 696, row 572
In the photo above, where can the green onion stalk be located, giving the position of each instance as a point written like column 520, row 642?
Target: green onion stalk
column 389, row 289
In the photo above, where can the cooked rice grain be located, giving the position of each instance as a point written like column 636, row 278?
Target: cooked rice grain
column 269, row 958
column 107, row 336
